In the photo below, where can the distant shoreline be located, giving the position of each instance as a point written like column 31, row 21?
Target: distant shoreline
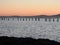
column 32, row 16
column 37, row 16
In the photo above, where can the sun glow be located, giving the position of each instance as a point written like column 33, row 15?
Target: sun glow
column 29, row 7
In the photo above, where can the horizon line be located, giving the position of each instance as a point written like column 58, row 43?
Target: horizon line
column 32, row 15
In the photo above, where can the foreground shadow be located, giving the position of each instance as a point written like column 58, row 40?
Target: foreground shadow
column 26, row 41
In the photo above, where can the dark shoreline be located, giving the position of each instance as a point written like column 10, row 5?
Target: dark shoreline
column 38, row 16
column 26, row 41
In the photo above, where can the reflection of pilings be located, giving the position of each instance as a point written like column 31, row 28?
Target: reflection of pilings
column 46, row 19
column 32, row 19
column 26, row 19
column 35, row 19
column 49, row 19
column 8, row 19
column 29, row 19
column 2, row 18
column 53, row 20
column 38, row 19
column 57, row 19
column 12, row 18
column 18, row 19
column 23, row 19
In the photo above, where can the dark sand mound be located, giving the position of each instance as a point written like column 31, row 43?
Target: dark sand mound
column 26, row 41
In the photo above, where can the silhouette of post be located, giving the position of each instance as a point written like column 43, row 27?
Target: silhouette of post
column 46, row 19
column 29, row 19
column 13, row 18
column 49, row 19
column 8, row 19
column 35, row 19
column 2, row 18
column 23, row 19
column 57, row 19
column 32, row 19
column 53, row 20
column 18, row 19
column 38, row 19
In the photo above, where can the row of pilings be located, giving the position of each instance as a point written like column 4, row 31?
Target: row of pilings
column 57, row 19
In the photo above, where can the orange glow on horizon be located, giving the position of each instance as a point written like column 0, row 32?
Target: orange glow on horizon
column 29, row 7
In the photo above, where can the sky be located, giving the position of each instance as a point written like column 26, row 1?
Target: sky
column 29, row 7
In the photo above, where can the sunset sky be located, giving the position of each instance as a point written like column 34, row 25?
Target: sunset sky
column 29, row 7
